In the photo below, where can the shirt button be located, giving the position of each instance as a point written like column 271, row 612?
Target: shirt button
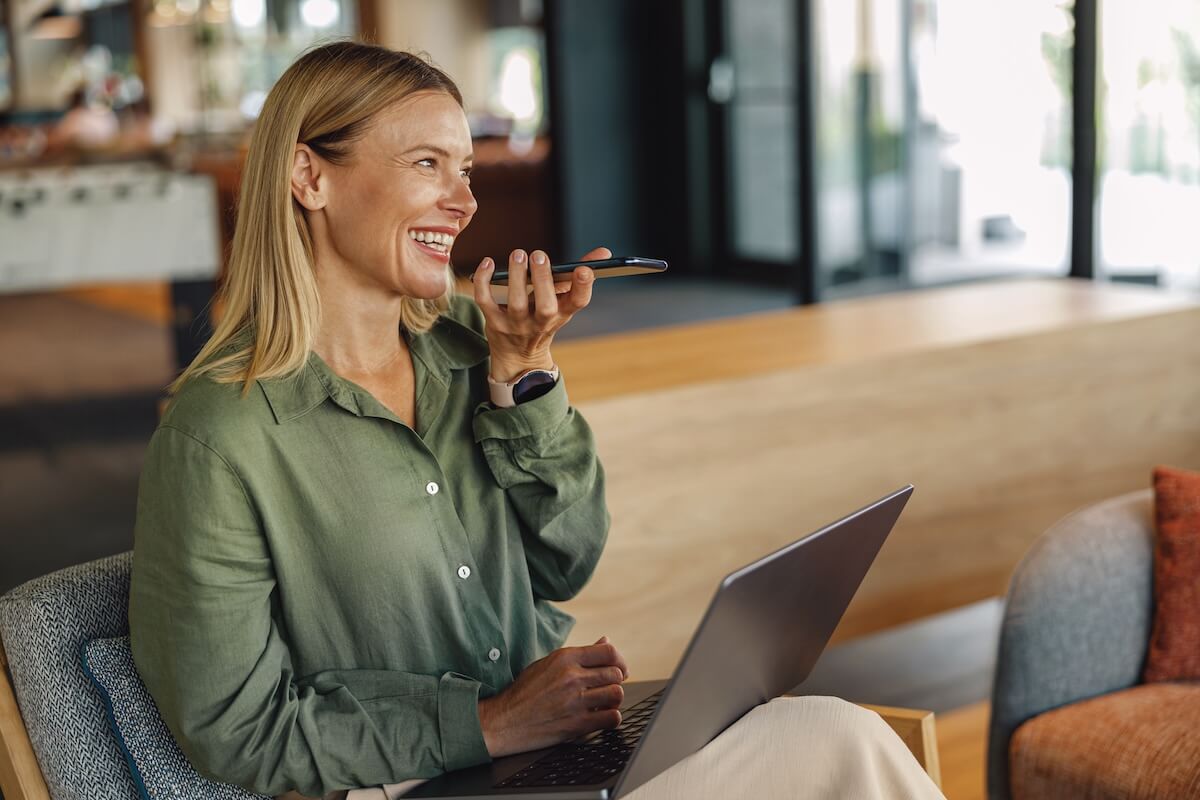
column 493, row 654
column 431, row 487
column 464, row 572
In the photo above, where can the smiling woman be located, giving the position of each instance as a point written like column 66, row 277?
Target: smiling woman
column 345, row 557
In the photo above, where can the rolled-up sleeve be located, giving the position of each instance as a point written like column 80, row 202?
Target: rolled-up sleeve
column 543, row 454
column 207, row 643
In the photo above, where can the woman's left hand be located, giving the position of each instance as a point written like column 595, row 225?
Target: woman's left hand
column 520, row 333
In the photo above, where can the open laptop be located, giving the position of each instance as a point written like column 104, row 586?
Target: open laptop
column 763, row 632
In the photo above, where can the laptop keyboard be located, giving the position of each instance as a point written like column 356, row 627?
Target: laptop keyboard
column 594, row 760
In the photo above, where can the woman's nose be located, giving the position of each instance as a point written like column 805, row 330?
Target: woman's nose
column 460, row 199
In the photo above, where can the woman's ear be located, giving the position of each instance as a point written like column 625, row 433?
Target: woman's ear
column 308, row 181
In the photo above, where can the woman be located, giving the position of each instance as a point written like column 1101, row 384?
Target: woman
column 345, row 556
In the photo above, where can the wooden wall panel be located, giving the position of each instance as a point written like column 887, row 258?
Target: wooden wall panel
column 1001, row 437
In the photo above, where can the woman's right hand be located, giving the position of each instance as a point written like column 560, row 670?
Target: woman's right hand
column 569, row 693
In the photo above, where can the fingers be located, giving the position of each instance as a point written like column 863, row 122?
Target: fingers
column 597, row 254
column 592, row 677
column 545, row 304
column 518, row 280
column 580, row 293
column 602, row 654
column 482, row 280
column 603, row 720
column 603, row 697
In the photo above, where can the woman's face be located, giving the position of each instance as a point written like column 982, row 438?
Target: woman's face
column 393, row 210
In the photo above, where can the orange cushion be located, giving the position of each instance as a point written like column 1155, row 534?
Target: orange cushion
column 1138, row 744
column 1175, row 638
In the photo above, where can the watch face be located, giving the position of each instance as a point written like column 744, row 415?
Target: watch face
column 533, row 386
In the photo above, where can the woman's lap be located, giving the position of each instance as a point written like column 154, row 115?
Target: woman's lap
column 799, row 748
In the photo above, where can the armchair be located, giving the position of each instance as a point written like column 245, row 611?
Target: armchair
column 1069, row 716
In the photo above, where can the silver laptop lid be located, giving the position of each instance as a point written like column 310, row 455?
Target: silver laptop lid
column 763, row 632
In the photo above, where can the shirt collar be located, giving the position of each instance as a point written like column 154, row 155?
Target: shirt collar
column 448, row 346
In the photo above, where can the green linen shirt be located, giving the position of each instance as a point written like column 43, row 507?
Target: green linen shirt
column 321, row 594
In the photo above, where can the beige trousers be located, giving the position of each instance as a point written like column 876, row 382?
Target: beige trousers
column 798, row 748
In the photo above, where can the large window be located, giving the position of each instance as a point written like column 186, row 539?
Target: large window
column 943, row 140
column 944, row 144
column 1148, row 150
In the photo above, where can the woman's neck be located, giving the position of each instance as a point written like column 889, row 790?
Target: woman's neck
column 360, row 329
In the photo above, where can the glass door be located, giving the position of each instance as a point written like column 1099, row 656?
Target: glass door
column 943, row 141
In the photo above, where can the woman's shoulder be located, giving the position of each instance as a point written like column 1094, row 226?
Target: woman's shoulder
column 217, row 414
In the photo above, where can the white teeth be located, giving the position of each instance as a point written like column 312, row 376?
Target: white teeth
column 435, row 239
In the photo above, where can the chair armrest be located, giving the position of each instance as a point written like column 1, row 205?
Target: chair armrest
column 20, row 776
column 917, row 730
column 1077, row 619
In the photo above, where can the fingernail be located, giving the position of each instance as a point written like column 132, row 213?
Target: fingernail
column 488, row 264
column 519, row 256
column 585, row 275
column 539, row 258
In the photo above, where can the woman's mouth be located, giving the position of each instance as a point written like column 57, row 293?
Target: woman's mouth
column 434, row 243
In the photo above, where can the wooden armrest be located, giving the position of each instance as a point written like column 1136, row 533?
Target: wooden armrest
column 916, row 729
column 20, row 776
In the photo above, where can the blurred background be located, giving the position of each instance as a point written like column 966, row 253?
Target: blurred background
column 776, row 152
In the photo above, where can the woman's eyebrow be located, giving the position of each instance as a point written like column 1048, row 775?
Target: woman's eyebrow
column 433, row 148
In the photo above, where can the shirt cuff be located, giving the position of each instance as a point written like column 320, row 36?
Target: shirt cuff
column 458, row 723
column 527, row 419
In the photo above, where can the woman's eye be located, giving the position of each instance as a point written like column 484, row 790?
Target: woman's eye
column 427, row 162
column 466, row 174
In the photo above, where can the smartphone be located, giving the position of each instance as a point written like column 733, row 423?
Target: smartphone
column 604, row 268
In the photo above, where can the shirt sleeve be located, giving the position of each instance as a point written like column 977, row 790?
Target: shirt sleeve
column 207, row 644
column 543, row 454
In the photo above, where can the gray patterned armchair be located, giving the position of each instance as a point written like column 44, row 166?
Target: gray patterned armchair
column 58, row 743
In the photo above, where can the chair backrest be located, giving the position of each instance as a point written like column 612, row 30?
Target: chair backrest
column 43, row 624
column 1076, row 621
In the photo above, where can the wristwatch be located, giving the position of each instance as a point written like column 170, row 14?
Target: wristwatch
column 525, row 387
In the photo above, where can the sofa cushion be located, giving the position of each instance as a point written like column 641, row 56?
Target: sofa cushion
column 159, row 768
column 1175, row 641
column 1137, row 744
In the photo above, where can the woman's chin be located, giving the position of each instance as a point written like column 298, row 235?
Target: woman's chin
column 428, row 289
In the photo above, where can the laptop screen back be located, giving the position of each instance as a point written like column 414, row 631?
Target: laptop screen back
column 763, row 632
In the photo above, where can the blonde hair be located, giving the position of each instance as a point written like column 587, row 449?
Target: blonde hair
column 326, row 99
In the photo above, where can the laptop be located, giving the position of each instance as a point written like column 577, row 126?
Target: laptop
column 762, row 633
